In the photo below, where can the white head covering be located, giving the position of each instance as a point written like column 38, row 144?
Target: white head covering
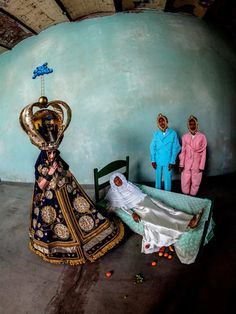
column 125, row 196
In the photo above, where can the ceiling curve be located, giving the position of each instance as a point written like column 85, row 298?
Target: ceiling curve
column 20, row 19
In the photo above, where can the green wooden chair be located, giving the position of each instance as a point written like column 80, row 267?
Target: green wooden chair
column 101, row 181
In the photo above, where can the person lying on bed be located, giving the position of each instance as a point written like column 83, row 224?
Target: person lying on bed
column 163, row 225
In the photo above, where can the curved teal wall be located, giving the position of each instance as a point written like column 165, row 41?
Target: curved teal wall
column 117, row 73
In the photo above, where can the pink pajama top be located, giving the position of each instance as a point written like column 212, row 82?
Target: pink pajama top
column 193, row 152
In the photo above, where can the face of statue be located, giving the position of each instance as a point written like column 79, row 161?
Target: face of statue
column 51, row 154
column 118, row 181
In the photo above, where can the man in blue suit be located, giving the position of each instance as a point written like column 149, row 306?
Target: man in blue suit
column 164, row 149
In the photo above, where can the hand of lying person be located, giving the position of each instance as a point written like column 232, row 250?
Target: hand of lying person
column 154, row 165
column 136, row 217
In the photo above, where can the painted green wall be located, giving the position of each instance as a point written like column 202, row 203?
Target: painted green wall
column 117, row 73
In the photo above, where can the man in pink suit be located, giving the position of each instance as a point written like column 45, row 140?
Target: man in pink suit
column 192, row 157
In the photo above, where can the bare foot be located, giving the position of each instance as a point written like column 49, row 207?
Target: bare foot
column 195, row 220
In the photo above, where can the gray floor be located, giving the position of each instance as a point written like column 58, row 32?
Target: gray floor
column 29, row 285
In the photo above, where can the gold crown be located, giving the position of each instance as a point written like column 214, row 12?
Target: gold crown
column 45, row 127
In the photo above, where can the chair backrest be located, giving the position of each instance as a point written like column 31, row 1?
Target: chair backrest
column 108, row 169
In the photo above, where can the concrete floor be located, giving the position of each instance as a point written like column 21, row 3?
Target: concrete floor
column 29, row 285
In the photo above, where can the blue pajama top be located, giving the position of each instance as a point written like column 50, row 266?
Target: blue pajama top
column 164, row 148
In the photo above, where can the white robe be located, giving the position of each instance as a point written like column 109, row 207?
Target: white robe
column 163, row 225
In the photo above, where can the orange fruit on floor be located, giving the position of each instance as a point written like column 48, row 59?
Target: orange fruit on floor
column 108, row 274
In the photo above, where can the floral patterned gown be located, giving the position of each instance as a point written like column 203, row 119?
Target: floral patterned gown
column 65, row 227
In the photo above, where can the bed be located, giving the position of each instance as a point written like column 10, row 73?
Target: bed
column 191, row 242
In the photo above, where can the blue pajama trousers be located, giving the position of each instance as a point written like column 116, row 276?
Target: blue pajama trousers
column 167, row 177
